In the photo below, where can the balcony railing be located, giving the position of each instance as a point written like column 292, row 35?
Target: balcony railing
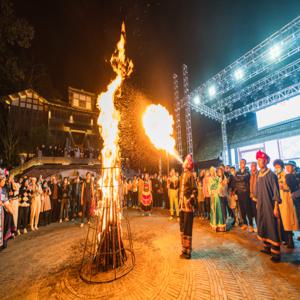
column 46, row 160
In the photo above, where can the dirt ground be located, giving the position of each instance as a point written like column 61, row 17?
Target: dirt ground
column 44, row 265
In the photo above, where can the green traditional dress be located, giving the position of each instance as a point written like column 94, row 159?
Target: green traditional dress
column 216, row 215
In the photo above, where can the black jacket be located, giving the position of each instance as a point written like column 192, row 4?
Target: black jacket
column 242, row 181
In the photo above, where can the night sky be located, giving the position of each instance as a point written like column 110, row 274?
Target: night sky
column 75, row 38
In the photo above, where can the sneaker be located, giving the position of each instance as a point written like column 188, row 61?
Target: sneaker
column 250, row 228
column 18, row 232
column 60, row 221
column 171, row 218
column 81, row 225
column 24, row 231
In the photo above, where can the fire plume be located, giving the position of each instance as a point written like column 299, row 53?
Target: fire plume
column 158, row 125
column 108, row 122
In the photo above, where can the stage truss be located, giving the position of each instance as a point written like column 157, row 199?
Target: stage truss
column 268, row 78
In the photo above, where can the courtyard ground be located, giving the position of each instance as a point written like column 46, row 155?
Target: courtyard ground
column 44, row 265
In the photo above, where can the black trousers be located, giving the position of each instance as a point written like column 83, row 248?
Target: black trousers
column 207, row 206
column 86, row 211
column 23, row 217
column 45, row 217
column 155, row 199
column 74, row 206
column 55, row 205
column 224, row 205
column 134, row 198
column 186, row 231
column 245, row 207
column 254, row 210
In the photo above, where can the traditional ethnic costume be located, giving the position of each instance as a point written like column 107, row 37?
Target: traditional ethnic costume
column 287, row 209
column 217, row 219
column 7, row 223
column 267, row 193
column 146, row 197
column 187, row 202
column 24, row 205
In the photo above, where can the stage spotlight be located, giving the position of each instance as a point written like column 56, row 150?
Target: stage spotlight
column 239, row 74
column 212, row 91
column 196, row 100
column 275, row 51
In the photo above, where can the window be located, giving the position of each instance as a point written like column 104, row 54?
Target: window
column 290, row 148
column 249, row 152
column 82, row 104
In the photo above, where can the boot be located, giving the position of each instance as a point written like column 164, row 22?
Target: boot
column 290, row 243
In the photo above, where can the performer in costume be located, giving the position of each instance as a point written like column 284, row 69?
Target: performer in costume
column 146, row 196
column 268, row 200
column 187, row 201
column 217, row 220
column 24, row 205
column 287, row 209
column 7, row 226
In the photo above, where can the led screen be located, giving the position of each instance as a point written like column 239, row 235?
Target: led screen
column 279, row 113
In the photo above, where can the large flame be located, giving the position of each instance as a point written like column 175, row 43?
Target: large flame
column 158, row 124
column 108, row 122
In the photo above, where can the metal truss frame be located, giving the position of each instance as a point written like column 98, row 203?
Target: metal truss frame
column 177, row 115
column 264, row 102
column 254, row 61
column 286, row 71
column 187, row 108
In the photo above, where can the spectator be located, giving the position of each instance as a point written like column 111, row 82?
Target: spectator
column 65, row 200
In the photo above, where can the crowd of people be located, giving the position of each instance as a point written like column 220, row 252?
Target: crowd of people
column 59, row 151
column 224, row 196
column 255, row 199
column 30, row 202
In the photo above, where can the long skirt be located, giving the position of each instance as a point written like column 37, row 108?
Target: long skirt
column 146, row 201
column 216, row 215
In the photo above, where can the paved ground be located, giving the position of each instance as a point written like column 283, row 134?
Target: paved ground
column 44, row 265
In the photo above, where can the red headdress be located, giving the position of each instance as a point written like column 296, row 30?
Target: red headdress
column 263, row 155
column 188, row 162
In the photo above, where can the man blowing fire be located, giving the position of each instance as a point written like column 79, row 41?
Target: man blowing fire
column 187, row 201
